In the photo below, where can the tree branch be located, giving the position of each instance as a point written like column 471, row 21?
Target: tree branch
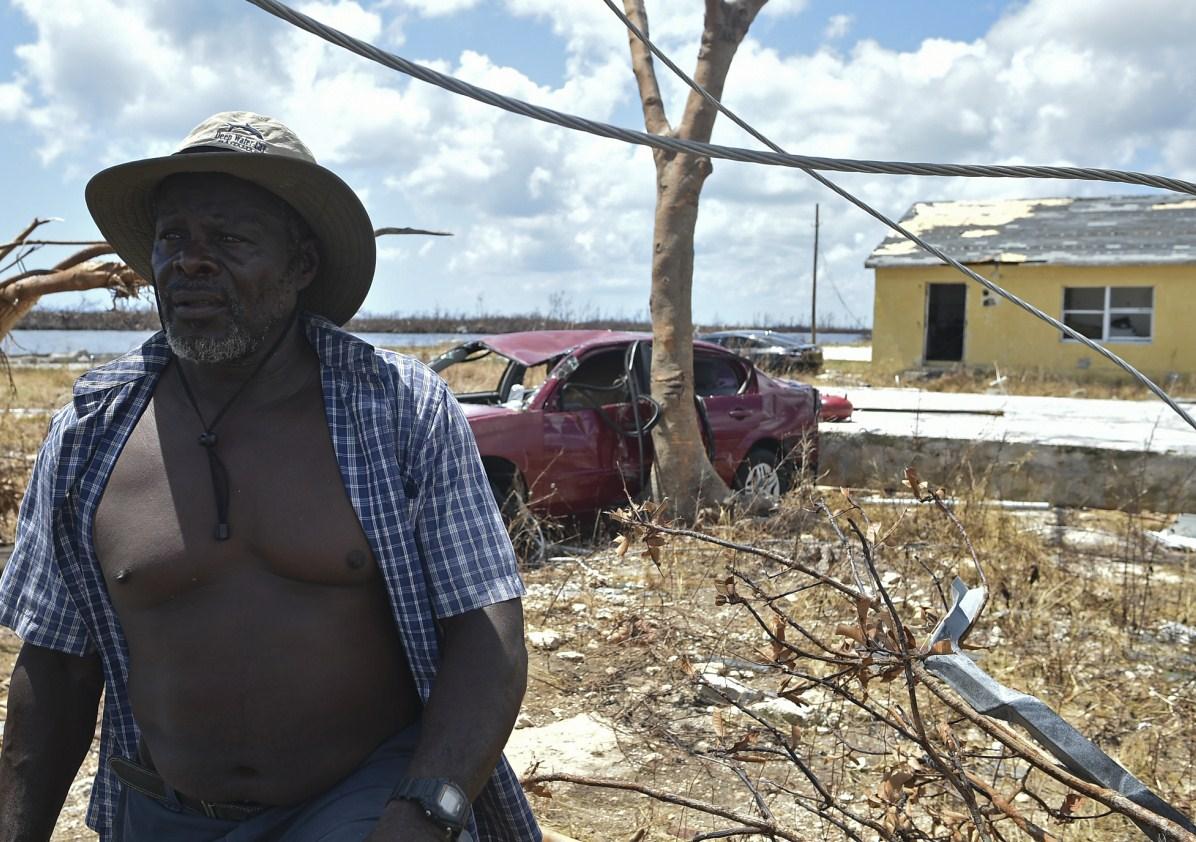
column 655, row 119
column 90, row 253
column 19, row 240
column 725, row 26
column 73, row 279
column 15, row 243
column 762, row 826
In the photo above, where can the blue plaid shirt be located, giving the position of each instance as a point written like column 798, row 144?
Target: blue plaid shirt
column 412, row 473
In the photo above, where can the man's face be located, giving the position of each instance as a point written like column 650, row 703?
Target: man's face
column 228, row 265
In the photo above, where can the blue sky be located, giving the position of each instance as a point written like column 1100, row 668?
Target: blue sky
column 540, row 214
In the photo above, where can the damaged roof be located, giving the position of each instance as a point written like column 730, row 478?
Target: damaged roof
column 532, row 347
column 1085, row 232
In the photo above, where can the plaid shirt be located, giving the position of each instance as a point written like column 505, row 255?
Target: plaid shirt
column 412, row 473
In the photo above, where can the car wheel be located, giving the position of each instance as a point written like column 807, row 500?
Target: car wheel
column 523, row 526
column 761, row 476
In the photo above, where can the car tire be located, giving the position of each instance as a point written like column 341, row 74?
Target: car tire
column 761, row 475
column 523, row 526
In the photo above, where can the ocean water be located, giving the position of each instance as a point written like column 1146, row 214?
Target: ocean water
column 109, row 343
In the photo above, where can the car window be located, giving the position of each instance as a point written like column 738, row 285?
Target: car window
column 526, row 385
column 717, row 375
column 599, row 379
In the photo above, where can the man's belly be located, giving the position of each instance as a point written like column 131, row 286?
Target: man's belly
column 259, row 688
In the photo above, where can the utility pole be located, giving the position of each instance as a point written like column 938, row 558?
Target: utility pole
column 814, row 285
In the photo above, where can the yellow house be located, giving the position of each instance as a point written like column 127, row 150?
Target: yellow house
column 1120, row 270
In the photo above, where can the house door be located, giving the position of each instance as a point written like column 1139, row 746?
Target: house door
column 944, row 322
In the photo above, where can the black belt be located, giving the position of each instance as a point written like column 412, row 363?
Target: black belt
column 150, row 783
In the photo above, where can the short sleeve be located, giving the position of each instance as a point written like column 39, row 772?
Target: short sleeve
column 468, row 557
column 34, row 600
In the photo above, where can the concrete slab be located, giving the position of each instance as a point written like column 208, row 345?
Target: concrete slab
column 581, row 745
column 1068, row 451
column 1146, row 425
column 848, row 353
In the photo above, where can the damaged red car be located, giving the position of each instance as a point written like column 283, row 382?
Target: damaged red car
column 563, row 418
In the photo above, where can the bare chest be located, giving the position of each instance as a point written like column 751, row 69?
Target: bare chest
column 290, row 516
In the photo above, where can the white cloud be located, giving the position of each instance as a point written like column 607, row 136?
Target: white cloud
column 347, row 16
column 537, row 209
column 13, row 100
column 438, row 8
column 837, row 26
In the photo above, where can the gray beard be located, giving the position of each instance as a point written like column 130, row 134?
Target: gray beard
column 241, row 341
column 236, row 345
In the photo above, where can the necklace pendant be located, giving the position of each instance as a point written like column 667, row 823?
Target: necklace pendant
column 208, row 439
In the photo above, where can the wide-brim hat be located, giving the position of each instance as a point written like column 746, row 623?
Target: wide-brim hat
column 262, row 151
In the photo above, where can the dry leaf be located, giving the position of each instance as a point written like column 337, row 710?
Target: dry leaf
column 746, row 742
column 851, row 631
column 1070, row 802
column 862, row 606
column 891, row 789
column 913, row 482
column 719, row 720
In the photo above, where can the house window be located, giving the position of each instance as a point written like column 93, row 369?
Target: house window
column 1110, row 314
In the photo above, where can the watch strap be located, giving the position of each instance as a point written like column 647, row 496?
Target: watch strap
column 443, row 801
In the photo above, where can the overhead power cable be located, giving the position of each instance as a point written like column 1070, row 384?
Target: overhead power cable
column 776, row 157
column 909, row 235
column 729, row 153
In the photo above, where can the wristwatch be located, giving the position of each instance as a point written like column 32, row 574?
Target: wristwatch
column 443, row 801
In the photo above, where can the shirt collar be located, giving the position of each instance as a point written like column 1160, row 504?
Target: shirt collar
column 336, row 348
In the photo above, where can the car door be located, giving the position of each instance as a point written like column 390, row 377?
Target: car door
column 734, row 409
column 589, row 463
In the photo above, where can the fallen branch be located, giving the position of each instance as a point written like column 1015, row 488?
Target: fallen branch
column 762, row 826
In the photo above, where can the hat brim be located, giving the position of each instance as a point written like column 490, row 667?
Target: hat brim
column 120, row 201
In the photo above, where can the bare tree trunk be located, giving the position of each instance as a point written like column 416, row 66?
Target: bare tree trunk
column 19, row 297
column 683, row 473
column 21, row 292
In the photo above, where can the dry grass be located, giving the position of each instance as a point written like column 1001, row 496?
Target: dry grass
column 1078, row 610
column 39, row 387
column 1076, row 622
column 1112, row 385
column 27, row 399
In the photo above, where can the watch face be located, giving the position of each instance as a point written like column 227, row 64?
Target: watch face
column 451, row 801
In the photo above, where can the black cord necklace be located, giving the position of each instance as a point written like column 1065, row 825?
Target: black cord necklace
column 208, row 439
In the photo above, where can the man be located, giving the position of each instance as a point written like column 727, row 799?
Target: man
column 271, row 545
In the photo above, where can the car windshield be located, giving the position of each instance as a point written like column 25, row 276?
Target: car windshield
column 476, row 374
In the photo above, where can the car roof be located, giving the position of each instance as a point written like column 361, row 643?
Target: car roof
column 756, row 334
column 533, row 347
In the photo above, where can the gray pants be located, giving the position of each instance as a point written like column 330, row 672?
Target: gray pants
column 345, row 813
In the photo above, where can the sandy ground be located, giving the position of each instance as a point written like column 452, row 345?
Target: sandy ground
column 613, row 692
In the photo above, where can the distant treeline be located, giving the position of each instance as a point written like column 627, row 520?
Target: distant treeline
column 147, row 319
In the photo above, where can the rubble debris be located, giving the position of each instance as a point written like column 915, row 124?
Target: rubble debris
column 581, row 745
column 1180, row 535
column 547, row 640
column 721, row 689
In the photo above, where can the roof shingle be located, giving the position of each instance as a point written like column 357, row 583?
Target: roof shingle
column 1115, row 230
